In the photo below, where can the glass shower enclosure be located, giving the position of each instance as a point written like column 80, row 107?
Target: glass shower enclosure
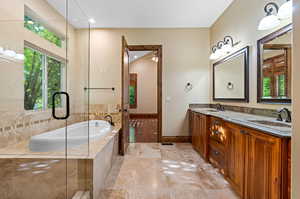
column 44, row 108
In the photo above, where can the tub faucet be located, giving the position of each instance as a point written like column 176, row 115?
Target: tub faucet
column 287, row 112
column 109, row 119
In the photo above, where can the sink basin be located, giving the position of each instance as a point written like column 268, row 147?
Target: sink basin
column 270, row 123
column 214, row 111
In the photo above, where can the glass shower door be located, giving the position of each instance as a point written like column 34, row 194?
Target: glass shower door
column 43, row 73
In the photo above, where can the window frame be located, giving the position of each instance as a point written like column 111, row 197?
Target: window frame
column 45, row 77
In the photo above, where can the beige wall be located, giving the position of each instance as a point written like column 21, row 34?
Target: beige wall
column 240, row 21
column 185, row 59
column 296, row 104
column 146, row 70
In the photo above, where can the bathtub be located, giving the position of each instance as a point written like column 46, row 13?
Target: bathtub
column 77, row 134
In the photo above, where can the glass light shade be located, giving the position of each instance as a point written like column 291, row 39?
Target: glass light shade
column 213, row 56
column 269, row 22
column 19, row 57
column 286, row 10
column 10, row 53
column 227, row 48
column 1, row 50
column 221, row 52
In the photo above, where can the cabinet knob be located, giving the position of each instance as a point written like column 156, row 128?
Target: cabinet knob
column 216, row 152
column 244, row 132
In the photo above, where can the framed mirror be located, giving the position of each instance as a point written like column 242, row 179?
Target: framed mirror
column 274, row 67
column 231, row 77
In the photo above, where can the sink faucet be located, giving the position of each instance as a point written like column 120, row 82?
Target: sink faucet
column 287, row 112
column 220, row 107
column 109, row 119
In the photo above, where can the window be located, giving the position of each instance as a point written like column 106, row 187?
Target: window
column 39, row 29
column 133, row 91
column 43, row 77
column 281, row 85
column 267, row 87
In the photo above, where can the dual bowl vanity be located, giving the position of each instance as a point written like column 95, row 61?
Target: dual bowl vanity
column 252, row 152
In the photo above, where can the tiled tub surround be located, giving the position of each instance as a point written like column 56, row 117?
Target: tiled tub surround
column 19, row 127
column 245, row 119
column 44, row 175
column 28, row 175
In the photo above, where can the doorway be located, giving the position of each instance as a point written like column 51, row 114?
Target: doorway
column 145, row 93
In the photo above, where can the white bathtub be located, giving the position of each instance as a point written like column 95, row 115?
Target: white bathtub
column 77, row 134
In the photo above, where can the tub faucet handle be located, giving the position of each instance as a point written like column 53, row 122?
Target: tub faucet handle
column 109, row 119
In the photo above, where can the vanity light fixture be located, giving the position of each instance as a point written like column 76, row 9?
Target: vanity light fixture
column 222, row 48
column 274, row 14
column 286, row 10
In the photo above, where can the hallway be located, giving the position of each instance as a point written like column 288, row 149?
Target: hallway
column 153, row 171
column 143, row 130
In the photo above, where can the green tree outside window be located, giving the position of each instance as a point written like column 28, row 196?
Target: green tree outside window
column 39, row 29
column 43, row 77
column 267, row 87
column 281, row 85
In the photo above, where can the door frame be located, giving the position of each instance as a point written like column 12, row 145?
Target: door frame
column 123, row 145
column 158, row 49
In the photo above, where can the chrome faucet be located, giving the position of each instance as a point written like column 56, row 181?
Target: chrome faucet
column 109, row 119
column 219, row 107
column 287, row 112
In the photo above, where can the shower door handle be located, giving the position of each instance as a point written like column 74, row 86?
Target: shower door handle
column 67, row 106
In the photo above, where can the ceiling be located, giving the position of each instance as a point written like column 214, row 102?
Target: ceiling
column 142, row 13
column 134, row 55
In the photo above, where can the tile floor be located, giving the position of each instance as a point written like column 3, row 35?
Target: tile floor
column 153, row 171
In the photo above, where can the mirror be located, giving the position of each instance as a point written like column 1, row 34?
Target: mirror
column 275, row 67
column 231, row 77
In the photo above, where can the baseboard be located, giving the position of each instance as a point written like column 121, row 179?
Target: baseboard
column 143, row 115
column 176, row 139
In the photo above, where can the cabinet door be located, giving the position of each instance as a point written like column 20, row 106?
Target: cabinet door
column 202, row 136
column 236, row 150
column 194, row 130
column 263, row 155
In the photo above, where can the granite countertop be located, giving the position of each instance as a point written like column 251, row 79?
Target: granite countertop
column 84, row 151
column 248, row 120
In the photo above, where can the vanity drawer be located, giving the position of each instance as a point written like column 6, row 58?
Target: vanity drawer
column 217, row 131
column 217, row 156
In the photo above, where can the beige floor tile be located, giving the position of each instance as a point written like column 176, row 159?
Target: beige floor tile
column 153, row 171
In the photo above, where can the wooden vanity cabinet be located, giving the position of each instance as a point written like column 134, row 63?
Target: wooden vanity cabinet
column 289, row 173
column 199, row 126
column 257, row 164
column 263, row 166
column 235, row 159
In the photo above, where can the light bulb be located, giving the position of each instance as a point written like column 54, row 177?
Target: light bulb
column 10, row 53
column 1, row 50
column 269, row 22
column 286, row 10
